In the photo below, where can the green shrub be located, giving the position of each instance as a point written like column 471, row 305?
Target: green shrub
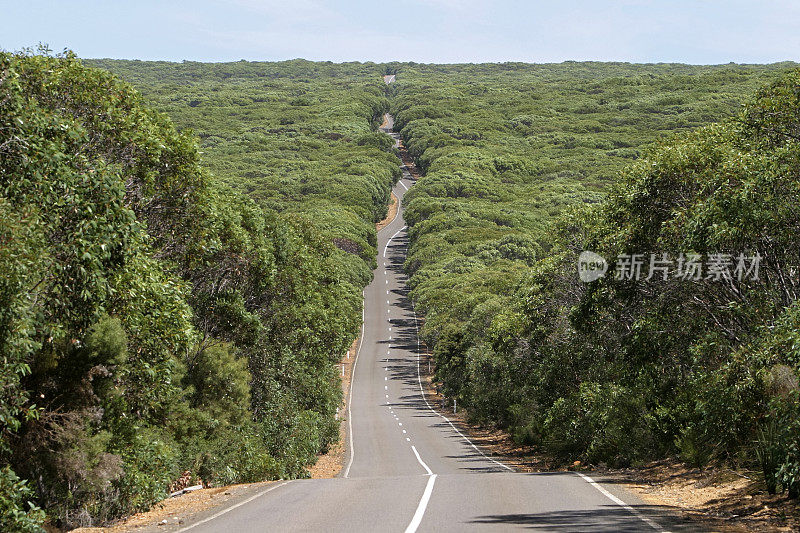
column 17, row 512
column 770, row 452
column 150, row 311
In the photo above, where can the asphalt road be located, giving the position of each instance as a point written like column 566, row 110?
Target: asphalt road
column 408, row 468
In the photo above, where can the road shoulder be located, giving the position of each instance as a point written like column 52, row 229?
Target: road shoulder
column 174, row 514
column 715, row 499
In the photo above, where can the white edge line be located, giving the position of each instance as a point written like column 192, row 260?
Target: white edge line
column 399, row 207
column 355, row 361
column 232, row 507
column 350, row 392
column 424, row 397
column 621, row 503
column 412, row 527
column 423, row 504
column 390, row 240
column 428, row 470
column 419, row 379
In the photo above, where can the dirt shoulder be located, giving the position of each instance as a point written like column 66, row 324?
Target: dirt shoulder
column 390, row 214
column 330, row 464
column 175, row 513
column 718, row 499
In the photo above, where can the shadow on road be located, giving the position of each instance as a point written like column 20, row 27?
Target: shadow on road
column 402, row 366
column 605, row 519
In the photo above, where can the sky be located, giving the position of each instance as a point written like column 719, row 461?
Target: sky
column 429, row 31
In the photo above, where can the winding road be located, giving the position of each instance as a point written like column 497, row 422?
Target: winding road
column 407, row 468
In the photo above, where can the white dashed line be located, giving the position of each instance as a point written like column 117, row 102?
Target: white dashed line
column 425, row 399
column 426, row 496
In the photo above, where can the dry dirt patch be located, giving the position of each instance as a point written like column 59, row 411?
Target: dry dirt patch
column 718, row 497
column 179, row 510
column 329, row 465
column 390, row 215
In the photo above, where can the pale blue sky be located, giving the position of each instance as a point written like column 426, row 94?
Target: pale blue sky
column 440, row 31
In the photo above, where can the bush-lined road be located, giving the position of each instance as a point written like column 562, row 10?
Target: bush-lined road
column 407, row 467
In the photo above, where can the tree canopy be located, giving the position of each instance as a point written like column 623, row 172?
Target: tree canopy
column 152, row 319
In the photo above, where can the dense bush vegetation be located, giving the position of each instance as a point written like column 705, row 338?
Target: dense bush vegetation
column 615, row 370
column 153, row 320
column 296, row 136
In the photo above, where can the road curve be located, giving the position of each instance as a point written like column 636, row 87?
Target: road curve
column 408, row 468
